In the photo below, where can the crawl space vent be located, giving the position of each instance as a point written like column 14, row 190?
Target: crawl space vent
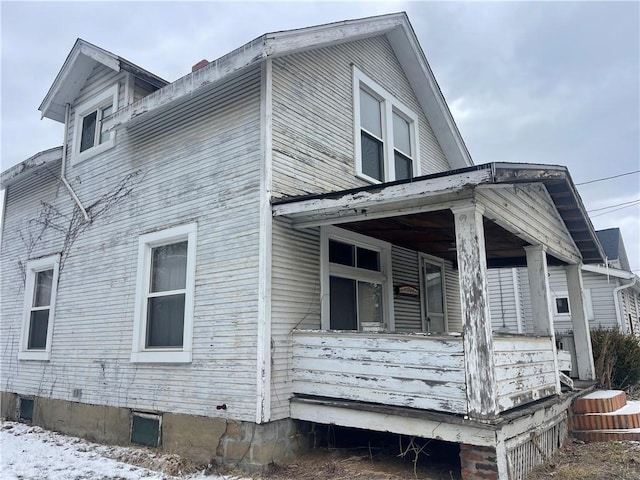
column 145, row 429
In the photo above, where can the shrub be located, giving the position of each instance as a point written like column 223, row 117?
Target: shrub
column 617, row 358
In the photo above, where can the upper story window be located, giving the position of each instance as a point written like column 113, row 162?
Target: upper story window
column 386, row 133
column 40, row 298
column 163, row 322
column 88, row 139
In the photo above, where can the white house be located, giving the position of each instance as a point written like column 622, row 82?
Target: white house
column 293, row 232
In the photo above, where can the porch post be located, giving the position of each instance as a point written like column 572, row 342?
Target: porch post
column 480, row 374
column 580, row 323
column 541, row 299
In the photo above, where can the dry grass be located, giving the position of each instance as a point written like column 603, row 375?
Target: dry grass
column 592, row 461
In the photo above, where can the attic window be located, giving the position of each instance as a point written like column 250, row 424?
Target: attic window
column 386, row 133
column 89, row 140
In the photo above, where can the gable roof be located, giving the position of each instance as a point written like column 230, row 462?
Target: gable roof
column 613, row 245
column 77, row 67
column 395, row 26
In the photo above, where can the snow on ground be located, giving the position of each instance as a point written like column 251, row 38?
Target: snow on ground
column 31, row 453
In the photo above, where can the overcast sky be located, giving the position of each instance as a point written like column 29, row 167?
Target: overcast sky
column 539, row 82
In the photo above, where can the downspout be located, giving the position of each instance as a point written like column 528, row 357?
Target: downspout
column 63, row 169
column 616, row 301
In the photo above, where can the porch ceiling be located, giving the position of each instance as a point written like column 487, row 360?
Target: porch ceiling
column 434, row 233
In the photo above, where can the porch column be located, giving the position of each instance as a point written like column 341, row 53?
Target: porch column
column 580, row 323
column 541, row 299
column 480, row 374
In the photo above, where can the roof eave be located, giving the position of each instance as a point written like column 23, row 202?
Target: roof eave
column 31, row 165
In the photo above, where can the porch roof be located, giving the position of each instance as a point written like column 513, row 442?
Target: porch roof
column 423, row 204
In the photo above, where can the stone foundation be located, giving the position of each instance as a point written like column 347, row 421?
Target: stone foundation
column 205, row 440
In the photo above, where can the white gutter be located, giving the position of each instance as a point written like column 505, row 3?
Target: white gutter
column 616, row 301
column 63, row 168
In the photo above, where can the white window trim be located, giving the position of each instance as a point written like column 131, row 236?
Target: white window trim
column 109, row 96
column 146, row 242
column 555, row 304
column 388, row 105
column 33, row 267
column 425, row 258
column 326, row 270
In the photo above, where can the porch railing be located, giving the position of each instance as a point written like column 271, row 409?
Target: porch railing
column 525, row 369
column 408, row 370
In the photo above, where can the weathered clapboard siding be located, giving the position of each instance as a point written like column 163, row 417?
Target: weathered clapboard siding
column 404, row 370
column 503, row 295
column 295, row 302
column 209, row 175
column 524, row 369
column 406, row 271
column 313, row 116
column 529, row 210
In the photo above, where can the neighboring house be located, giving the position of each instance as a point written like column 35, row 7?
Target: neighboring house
column 293, row 232
column 611, row 294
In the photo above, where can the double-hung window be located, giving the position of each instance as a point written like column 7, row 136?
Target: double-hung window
column 40, row 298
column 164, row 296
column 355, row 281
column 386, row 133
column 89, row 140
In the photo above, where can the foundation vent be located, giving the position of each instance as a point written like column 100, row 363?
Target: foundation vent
column 146, row 429
column 535, row 450
column 25, row 409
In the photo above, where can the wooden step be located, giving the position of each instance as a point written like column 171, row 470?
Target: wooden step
column 624, row 418
column 628, row 434
column 600, row 401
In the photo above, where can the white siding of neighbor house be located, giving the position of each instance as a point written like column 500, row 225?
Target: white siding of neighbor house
column 503, row 295
column 313, row 127
column 203, row 167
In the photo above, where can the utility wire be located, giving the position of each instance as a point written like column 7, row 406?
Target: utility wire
column 616, row 205
column 615, row 209
column 608, row 178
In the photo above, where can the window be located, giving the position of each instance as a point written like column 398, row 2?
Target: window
column 146, row 429
column 433, row 295
column 355, row 280
column 386, row 133
column 164, row 296
column 40, row 297
column 562, row 305
column 88, row 138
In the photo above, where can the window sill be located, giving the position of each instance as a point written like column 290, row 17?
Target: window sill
column 161, row 356
column 93, row 151
column 41, row 355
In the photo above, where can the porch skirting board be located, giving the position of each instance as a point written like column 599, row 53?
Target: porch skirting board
column 206, row 440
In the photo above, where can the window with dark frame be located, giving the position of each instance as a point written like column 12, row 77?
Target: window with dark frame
column 562, row 305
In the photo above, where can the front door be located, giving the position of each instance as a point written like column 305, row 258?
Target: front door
column 433, row 296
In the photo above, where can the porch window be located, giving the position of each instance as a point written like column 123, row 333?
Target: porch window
column 164, row 299
column 386, row 137
column 40, row 287
column 356, row 280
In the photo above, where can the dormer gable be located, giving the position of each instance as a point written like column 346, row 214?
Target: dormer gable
column 78, row 66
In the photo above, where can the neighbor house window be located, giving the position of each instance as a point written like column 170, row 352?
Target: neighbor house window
column 40, row 296
column 89, row 140
column 562, row 305
column 356, row 280
column 164, row 296
column 386, row 138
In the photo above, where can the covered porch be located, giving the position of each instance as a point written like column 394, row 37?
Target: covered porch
column 425, row 340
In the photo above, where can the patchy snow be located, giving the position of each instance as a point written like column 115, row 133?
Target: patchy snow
column 31, row 453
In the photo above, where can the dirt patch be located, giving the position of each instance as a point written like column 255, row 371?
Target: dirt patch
column 592, row 461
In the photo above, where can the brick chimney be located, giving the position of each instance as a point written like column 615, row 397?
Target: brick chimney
column 199, row 65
